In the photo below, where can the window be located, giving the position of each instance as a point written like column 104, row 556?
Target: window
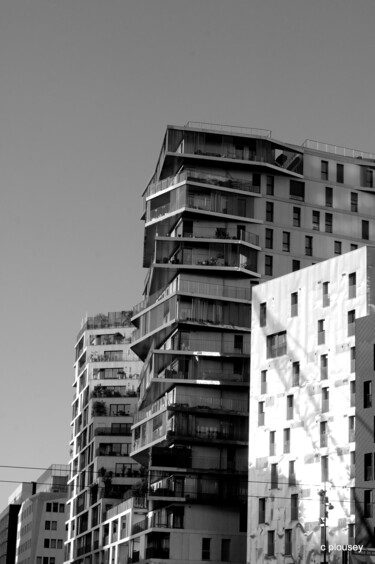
column 262, row 510
column 297, row 190
column 352, row 394
column 274, row 476
column 367, row 503
column 325, row 400
column 206, row 549
column 352, row 464
column 352, row 285
column 367, row 463
column 263, row 314
column 286, row 441
column 325, row 291
column 337, row 248
column 324, row 366
column 272, row 443
column 295, row 374
column 276, row 345
column 288, row 542
column 308, row 245
column 324, row 468
column 53, row 543
column 294, row 507
column 296, row 265
column 352, row 360
column 324, row 170
column 329, row 197
column 292, row 474
column 328, row 222
column 48, row 507
column 316, row 220
column 323, row 434
column 268, row 265
column 46, row 543
column 353, row 201
column 340, row 173
column 263, row 382
column 289, row 407
column 47, row 525
column 269, row 238
column 351, row 533
column 54, row 525
column 368, row 178
column 321, row 332
column 61, row 508
column 225, row 548
column 367, row 394
column 294, row 304
column 296, row 217
column 271, row 543
column 351, row 322
column 286, row 241
column 238, row 343
column 353, row 247
column 365, row 230
column 269, row 211
column 261, row 413
column 270, row 185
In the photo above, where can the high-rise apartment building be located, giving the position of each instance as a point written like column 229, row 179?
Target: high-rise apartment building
column 106, row 375
column 311, row 473
column 225, row 209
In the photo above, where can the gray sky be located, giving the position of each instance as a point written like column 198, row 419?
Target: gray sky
column 86, row 90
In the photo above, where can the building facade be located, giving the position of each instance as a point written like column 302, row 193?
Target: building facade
column 307, row 480
column 106, row 375
column 9, row 522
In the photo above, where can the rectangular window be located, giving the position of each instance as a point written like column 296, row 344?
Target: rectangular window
column 225, row 550
column 292, row 475
column 289, row 407
column 352, row 285
column 296, row 217
column 269, row 211
column 276, row 345
column 294, row 507
column 46, row 543
column 270, row 185
column 353, row 201
column 367, row 503
column 339, row 173
column 351, row 323
column 321, row 332
column 274, row 476
column 329, row 197
column 286, row 241
column 328, row 222
column 297, row 190
column 352, row 394
column 263, row 314
column 47, row 525
column 263, row 382
column 269, row 238
column 353, row 246
column 352, row 360
column 324, row 170
column 352, row 464
column 367, row 394
column 325, row 400
column 288, row 542
column 262, row 510
column 271, row 543
column 286, row 441
column 295, row 374
column 268, row 265
column 296, row 265
column 261, row 413
column 325, row 291
column 351, row 533
column 324, row 366
column 368, row 468
column 323, row 434
column 337, row 248
column 324, row 468
column 308, row 245
column 316, row 220
column 272, row 443
column 365, row 230
column 206, row 549
column 238, row 344
column 368, row 174
column 294, row 304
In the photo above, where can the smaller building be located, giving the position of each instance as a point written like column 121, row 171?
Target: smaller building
column 9, row 520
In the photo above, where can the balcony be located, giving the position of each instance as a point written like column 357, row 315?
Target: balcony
column 106, row 431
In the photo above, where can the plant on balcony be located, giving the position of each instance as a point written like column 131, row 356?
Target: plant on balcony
column 140, row 489
column 99, row 409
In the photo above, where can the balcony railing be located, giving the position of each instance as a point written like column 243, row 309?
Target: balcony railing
column 104, row 431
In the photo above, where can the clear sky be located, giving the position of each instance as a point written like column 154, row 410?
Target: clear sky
column 86, row 90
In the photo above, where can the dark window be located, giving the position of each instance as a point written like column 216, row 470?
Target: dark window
column 296, row 265
column 324, row 170
column 61, row 508
column 316, row 220
column 353, row 201
column 286, row 241
column 367, row 503
column 352, row 464
column 367, row 462
column 286, row 441
column 352, row 394
column 294, row 304
column 269, row 238
column 321, row 332
column 261, row 413
column 270, row 185
column 338, row 248
column 238, row 343
column 272, row 443
column 368, row 178
column 323, row 433
column 351, row 323
column 308, row 245
column 225, row 550
column 328, row 223
column 46, row 543
column 295, row 374
column 324, row 366
column 325, row 290
column 269, row 211
column 292, row 475
column 262, row 510
column 324, row 468
column 289, row 407
column 294, row 507
column 353, row 246
column 48, row 507
column 297, row 190
column 367, row 394
column 263, row 382
column 288, row 542
column 365, row 230
column 268, row 265
column 352, row 285
column 274, row 476
column 329, row 197
column 206, row 549
column 276, row 345
column 339, row 173
column 296, row 217
column 47, row 525
column 271, row 543
column 325, row 400
column 263, row 315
